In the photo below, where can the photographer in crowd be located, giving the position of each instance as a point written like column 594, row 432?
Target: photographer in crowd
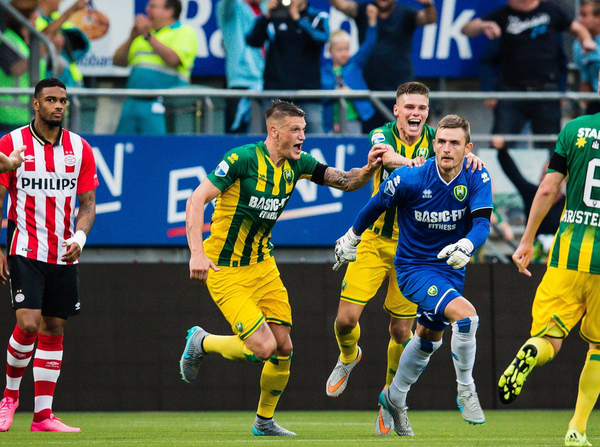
column 296, row 35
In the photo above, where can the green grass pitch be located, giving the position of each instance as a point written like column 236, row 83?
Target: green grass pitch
column 314, row 428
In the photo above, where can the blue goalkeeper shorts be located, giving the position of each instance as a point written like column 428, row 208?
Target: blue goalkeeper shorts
column 431, row 287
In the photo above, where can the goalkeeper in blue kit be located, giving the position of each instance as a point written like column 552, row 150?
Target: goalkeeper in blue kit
column 443, row 215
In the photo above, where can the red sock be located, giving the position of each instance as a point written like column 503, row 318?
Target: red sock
column 20, row 350
column 46, row 369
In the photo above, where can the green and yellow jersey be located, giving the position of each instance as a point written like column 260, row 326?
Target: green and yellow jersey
column 387, row 224
column 577, row 242
column 254, row 193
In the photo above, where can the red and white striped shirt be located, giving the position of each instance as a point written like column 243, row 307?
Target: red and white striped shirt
column 43, row 191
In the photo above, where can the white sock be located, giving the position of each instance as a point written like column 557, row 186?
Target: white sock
column 464, row 347
column 413, row 361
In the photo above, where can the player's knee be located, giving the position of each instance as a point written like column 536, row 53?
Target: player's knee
column 265, row 350
column 29, row 322
column 31, row 327
column 285, row 350
column 401, row 333
column 459, row 308
column 467, row 326
column 345, row 323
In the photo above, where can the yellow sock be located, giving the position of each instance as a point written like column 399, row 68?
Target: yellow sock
column 393, row 357
column 229, row 346
column 589, row 388
column 274, row 378
column 544, row 348
column 348, row 343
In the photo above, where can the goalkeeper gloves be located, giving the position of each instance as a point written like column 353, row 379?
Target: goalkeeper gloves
column 459, row 253
column 345, row 248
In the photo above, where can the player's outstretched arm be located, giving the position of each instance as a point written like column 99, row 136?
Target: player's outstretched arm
column 12, row 161
column 393, row 160
column 194, row 223
column 544, row 198
column 355, row 178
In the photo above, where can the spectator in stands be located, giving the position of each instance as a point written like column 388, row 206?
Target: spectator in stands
column 295, row 35
column 527, row 190
column 396, row 25
column 161, row 52
column 244, row 65
column 489, row 72
column 14, row 65
column 530, row 60
column 75, row 44
column 589, row 62
column 346, row 73
column 490, row 79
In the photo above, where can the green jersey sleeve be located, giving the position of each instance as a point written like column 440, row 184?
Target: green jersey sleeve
column 231, row 167
column 306, row 165
column 383, row 134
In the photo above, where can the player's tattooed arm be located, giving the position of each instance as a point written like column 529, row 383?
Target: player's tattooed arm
column 347, row 181
column 87, row 211
column 337, row 179
column 355, row 178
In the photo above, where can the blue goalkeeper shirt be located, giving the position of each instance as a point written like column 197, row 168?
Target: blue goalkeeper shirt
column 431, row 212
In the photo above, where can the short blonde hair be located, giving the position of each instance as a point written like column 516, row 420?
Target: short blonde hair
column 339, row 36
column 456, row 122
column 280, row 109
column 412, row 88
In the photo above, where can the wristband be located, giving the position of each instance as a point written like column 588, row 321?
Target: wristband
column 466, row 244
column 79, row 238
column 354, row 237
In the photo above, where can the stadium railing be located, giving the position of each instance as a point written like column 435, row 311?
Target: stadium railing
column 199, row 103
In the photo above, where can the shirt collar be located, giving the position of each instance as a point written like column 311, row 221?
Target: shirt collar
column 174, row 25
column 42, row 140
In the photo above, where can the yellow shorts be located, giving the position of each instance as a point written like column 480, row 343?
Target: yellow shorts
column 562, row 298
column 249, row 295
column 374, row 262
